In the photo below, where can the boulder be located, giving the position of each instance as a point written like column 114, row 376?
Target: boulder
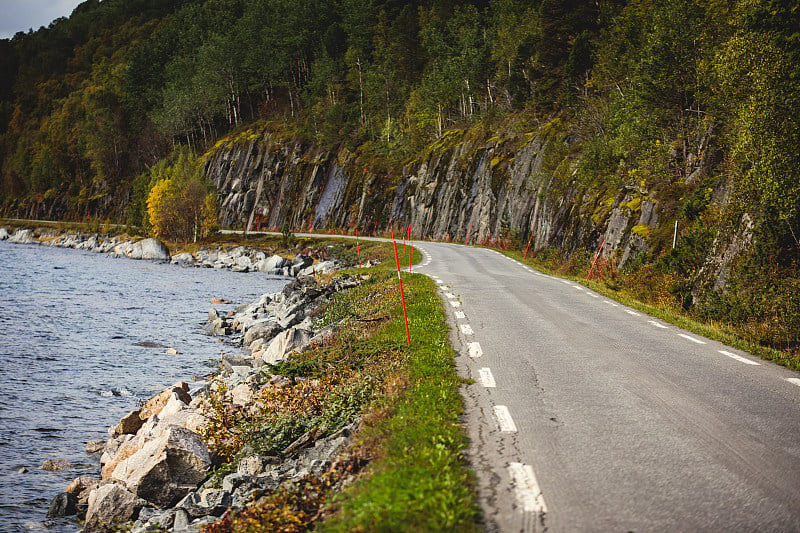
column 265, row 330
column 55, row 465
column 128, row 424
column 109, row 506
column 81, row 487
column 212, row 502
column 65, row 504
column 154, row 405
column 291, row 340
column 95, row 446
column 22, row 236
column 323, row 267
column 299, row 263
column 271, row 264
column 4, row 234
column 230, row 360
column 154, row 249
column 166, row 468
column 183, row 259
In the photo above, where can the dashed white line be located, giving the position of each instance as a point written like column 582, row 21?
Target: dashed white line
column 577, row 287
column 690, row 338
column 466, row 329
column 593, row 295
column 612, row 304
column 504, row 420
column 529, row 495
column 455, row 303
column 795, row 381
column 657, row 324
column 475, row 350
column 633, row 313
column 460, row 314
column 450, row 295
column 487, row 379
column 568, row 282
column 739, row 358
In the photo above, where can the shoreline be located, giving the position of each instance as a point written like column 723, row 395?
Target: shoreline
column 268, row 330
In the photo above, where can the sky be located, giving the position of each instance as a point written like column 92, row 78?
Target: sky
column 21, row 15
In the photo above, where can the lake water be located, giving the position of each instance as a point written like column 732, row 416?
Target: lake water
column 70, row 322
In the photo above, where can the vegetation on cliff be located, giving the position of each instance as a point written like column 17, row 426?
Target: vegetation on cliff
column 690, row 105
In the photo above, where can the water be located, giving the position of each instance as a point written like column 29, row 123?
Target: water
column 70, row 322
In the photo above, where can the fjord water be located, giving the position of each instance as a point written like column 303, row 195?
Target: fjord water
column 72, row 329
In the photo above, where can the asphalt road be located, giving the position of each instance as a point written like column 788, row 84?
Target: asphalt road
column 586, row 415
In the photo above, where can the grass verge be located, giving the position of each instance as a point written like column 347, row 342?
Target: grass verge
column 671, row 314
column 407, row 469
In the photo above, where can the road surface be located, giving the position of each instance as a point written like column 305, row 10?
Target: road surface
column 586, row 415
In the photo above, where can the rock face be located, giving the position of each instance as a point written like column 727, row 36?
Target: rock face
column 154, row 250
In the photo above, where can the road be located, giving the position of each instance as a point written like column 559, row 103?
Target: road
column 586, row 415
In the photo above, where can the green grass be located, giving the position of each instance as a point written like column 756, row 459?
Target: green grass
column 419, row 479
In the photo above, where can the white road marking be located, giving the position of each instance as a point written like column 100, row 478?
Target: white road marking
column 504, row 419
column 460, row 314
column 612, row 304
column 657, row 324
column 475, row 350
column 568, row 282
column 455, row 303
column 487, row 379
column 795, row 381
column 577, row 287
column 690, row 338
column 529, row 495
column 593, row 295
column 739, row 358
column 466, row 329
column 450, row 295
column 634, row 313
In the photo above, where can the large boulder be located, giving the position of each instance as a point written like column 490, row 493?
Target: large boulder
column 81, row 487
column 154, row 249
column 166, row 468
column 291, row 340
column 272, row 263
column 109, row 506
column 65, row 504
column 299, row 263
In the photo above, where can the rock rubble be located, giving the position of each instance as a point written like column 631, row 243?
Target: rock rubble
column 155, row 466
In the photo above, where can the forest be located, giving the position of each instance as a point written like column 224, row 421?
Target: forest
column 678, row 96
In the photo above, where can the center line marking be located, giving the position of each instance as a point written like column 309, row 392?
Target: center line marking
column 504, row 419
column 690, row 338
column 455, row 303
column 487, row 379
column 460, row 314
column 634, row 313
column 658, row 325
column 475, row 350
column 529, row 495
column 739, row 358
column 466, row 329
column 795, row 381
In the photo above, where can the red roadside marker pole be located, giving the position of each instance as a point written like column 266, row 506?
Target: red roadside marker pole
column 468, row 232
column 527, row 247
column 402, row 297
column 595, row 259
column 358, row 249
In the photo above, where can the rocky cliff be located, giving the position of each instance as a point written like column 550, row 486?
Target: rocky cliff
column 462, row 186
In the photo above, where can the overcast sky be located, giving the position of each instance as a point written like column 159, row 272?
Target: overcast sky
column 21, row 15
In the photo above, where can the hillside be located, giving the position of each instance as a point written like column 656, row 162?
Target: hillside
column 631, row 123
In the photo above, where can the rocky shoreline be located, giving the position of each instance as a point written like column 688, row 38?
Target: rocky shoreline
column 155, row 466
column 237, row 259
